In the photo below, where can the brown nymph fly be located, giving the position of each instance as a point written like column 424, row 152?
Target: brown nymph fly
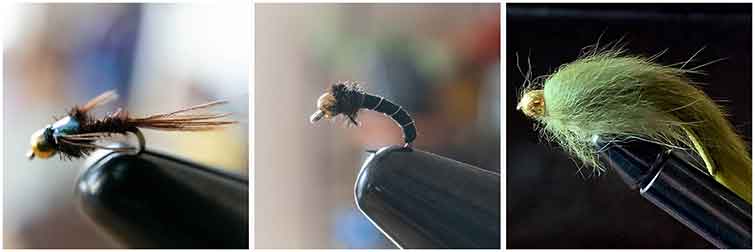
column 74, row 135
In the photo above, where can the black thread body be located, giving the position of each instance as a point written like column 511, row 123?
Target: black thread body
column 350, row 97
column 397, row 113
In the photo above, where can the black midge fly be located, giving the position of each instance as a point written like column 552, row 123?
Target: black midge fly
column 347, row 98
column 74, row 135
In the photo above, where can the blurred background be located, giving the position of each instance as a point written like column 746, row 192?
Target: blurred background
column 439, row 61
column 550, row 205
column 159, row 57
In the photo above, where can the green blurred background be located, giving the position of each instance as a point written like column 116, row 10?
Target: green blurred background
column 439, row 61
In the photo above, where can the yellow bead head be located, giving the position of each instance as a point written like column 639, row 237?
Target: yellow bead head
column 40, row 147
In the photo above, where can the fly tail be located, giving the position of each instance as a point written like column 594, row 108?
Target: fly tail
column 186, row 119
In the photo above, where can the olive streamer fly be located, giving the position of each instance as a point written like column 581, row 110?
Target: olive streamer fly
column 348, row 98
column 74, row 135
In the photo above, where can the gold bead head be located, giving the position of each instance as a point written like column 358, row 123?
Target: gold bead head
column 325, row 108
column 532, row 103
column 40, row 148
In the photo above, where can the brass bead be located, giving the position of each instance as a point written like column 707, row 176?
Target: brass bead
column 39, row 147
column 532, row 104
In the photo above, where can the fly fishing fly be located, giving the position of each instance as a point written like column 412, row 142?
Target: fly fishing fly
column 74, row 135
column 347, row 98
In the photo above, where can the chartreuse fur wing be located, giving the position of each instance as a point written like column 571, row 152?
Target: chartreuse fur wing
column 611, row 94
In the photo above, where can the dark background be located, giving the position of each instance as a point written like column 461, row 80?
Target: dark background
column 550, row 205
